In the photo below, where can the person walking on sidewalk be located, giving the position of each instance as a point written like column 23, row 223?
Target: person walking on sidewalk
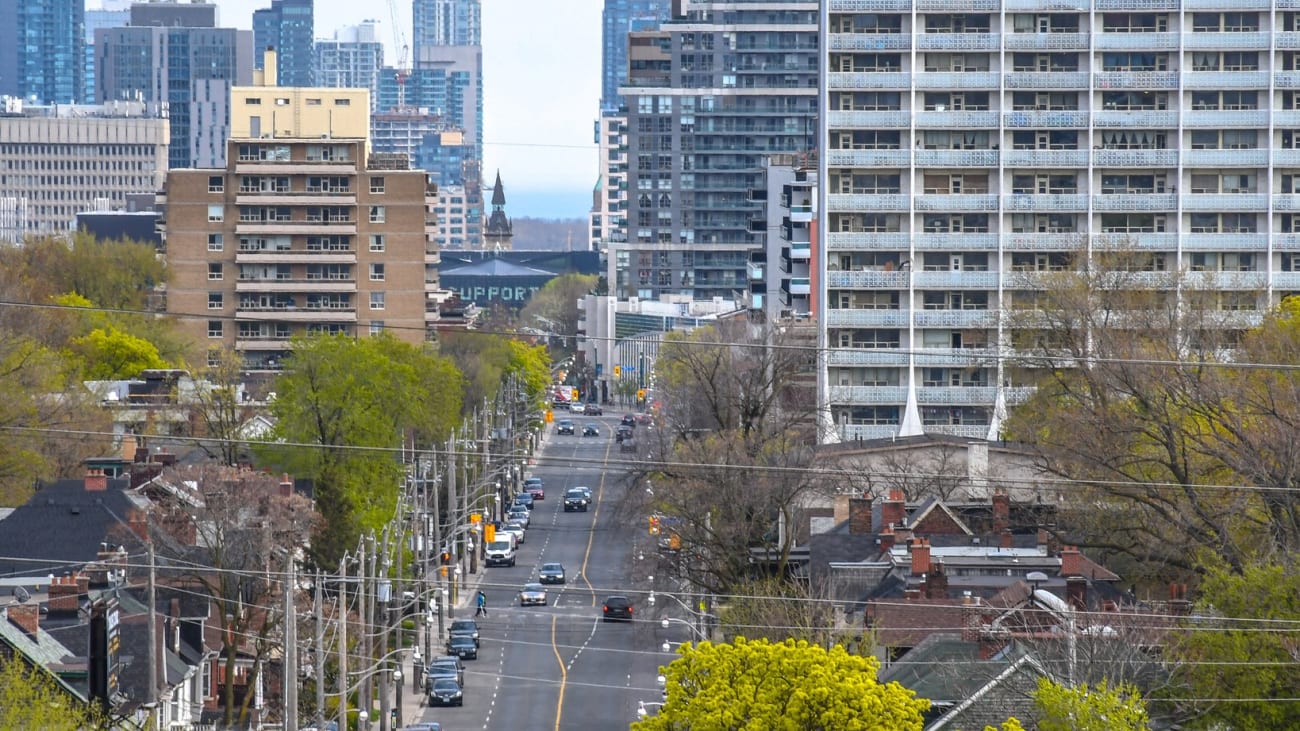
column 482, row 604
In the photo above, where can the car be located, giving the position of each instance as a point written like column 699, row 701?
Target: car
column 532, row 594
column 577, row 407
column 462, row 646
column 517, row 529
column 533, row 486
column 501, row 551
column 524, row 499
column 551, row 573
column 518, row 513
column 446, row 692
column 627, row 445
column 559, row 405
column 585, row 491
column 622, row 433
column 421, row 726
column 594, row 410
column 643, row 418
column 564, row 426
column 448, row 665
column 590, row 430
column 464, row 626
column 616, row 607
column 575, row 500
column 628, row 420
column 438, row 671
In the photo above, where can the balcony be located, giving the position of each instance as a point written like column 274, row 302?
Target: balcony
column 867, row 158
column 1232, row 5
column 957, row 242
column 1234, row 281
column 296, row 199
column 867, row 120
column 866, row 241
column 1228, row 118
column 1045, row 41
column 1135, row 41
column 1135, row 158
column 1136, row 79
column 1072, row 80
column 1215, row 202
column 956, row 357
column 1038, row 120
column 1210, row 41
column 957, row 158
column 1287, row 79
column 296, row 284
column 322, row 228
column 1136, row 4
column 957, row 42
column 1044, row 242
column 1286, row 242
column 1225, row 242
column 963, row 319
column 1288, row 40
column 956, row 120
column 1135, row 119
column 1289, row 281
column 1045, row 158
column 866, row 318
column 1225, row 79
column 956, row 202
column 1286, row 118
column 1049, row 202
column 800, row 251
column 858, row 432
column 256, row 167
column 295, row 256
column 955, row 280
column 754, row 270
column 1135, row 202
column 1286, row 158
column 297, row 314
column 870, row 42
column 1225, row 158
column 841, row 81
column 868, row 395
column 956, row 80
column 957, row 6
column 1286, row 202
column 863, row 357
column 866, row 202
column 956, row 396
column 866, row 279
column 1136, row 240
column 870, row 6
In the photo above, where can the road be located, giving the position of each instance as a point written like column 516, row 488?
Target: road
column 560, row 667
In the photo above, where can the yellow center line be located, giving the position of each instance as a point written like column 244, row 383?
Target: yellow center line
column 564, row 675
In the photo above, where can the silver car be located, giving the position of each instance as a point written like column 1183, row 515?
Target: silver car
column 532, row 594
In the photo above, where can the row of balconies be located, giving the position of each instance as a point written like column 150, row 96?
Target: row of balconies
column 1082, row 42
column 1047, row 242
column 965, row 280
column 1102, row 118
column 1257, row 158
column 1077, row 202
column 1058, row 80
column 1081, row 6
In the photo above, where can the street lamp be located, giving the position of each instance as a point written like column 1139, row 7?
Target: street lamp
column 643, row 706
column 696, row 631
column 397, row 680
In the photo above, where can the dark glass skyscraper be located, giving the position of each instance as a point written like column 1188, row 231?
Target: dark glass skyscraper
column 446, row 23
column 617, row 20
column 42, row 50
column 288, row 27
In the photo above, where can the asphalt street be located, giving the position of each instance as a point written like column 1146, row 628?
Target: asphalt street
column 559, row 666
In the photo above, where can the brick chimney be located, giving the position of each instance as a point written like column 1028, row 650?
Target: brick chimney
column 128, row 447
column 841, row 507
column 96, row 480
column 1071, row 562
column 1001, row 510
column 970, row 618
column 1004, row 538
column 936, row 582
column 138, row 522
column 286, row 485
column 65, row 593
column 26, row 617
column 920, row 549
column 1076, row 592
column 887, row 539
column 859, row 516
column 893, row 510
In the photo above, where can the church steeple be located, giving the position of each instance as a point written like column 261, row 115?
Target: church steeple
column 499, row 231
column 498, row 193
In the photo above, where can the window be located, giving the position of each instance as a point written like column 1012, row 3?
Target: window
column 376, row 272
column 376, row 327
column 377, row 214
column 214, row 271
column 216, row 213
column 216, row 184
column 376, row 242
column 343, row 102
column 376, row 300
column 215, row 328
column 376, row 184
column 215, row 242
column 215, row 300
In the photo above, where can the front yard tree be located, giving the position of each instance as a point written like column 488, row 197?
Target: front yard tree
column 30, row 698
column 786, row 686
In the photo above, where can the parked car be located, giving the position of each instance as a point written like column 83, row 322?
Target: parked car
column 446, row 692
column 575, row 500
column 564, row 426
column 462, row 646
column 617, row 608
column 590, row 430
column 519, row 513
column 532, row 594
column 464, row 626
column 524, row 499
column 501, row 552
column 449, row 663
column 551, row 573
column 516, row 529
column 594, row 410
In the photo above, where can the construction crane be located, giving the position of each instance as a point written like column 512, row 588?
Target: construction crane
column 403, row 53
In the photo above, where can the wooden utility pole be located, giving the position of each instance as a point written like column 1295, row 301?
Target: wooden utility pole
column 151, row 688
column 290, row 650
column 319, row 653
column 343, row 642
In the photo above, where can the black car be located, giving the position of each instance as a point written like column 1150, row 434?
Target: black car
column 590, row 430
column 564, row 426
column 447, row 666
column 463, row 646
column 446, row 692
column 525, row 500
column 575, row 500
column 617, row 607
column 464, row 626
column 622, row 432
column 551, row 573
column 628, row 420
column 438, row 671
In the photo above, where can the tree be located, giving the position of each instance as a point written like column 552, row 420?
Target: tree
column 487, row 359
column 31, row 698
column 216, row 404
column 553, row 309
column 786, row 686
column 108, row 354
column 1101, row 707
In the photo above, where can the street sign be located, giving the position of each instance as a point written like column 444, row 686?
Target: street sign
column 630, row 369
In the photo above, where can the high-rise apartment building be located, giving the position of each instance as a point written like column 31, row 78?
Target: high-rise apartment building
column 446, row 23
column 619, row 18
column 288, row 27
column 446, row 81
column 353, row 58
column 96, row 18
column 709, row 96
column 970, row 147
column 173, row 53
column 42, row 50
column 608, row 217
column 58, row 161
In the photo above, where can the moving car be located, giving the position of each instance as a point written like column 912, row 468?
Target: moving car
column 445, row 692
column 564, row 426
column 578, row 407
column 532, row 594
column 525, row 500
column 575, row 499
column 463, row 646
column 533, row 486
column 594, row 410
column 617, row 607
column 622, row 433
column 590, row 430
column 585, row 491
column 627, row 445
column 551, row 573
column 628, row 420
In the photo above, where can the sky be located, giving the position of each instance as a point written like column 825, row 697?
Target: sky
column 541, row 91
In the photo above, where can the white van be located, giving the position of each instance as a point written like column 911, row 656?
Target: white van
column 501, row 552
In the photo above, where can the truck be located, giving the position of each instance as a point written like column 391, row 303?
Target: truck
column 501, row 552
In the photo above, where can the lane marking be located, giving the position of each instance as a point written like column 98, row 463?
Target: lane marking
column 564, row 675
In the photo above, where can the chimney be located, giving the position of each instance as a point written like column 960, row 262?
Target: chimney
column 96, row 480
column 1004, row 538
column 65, row 593
column 859, row 516
column 128, row 447
column 27, row 617
column 286, row 485
column 1001, row 510
column 936, row 582
column 887, row 539
column 138, row 522
column 1071, row 562
column 841, row 513
column 911, row 595
column 920, row 556
column 970, row 618
column 1076, row 592
column 893, row 511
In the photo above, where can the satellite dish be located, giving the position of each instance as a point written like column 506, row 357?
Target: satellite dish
column 21, row 594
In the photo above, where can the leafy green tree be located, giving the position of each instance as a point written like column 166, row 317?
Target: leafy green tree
column 532, row 364
column 786, row 686
column 30, row 698
column 487, row 359
column 109, row 354
column 1101, row 707
column 554, row 308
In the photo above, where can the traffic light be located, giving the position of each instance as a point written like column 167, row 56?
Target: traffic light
column 654, row 525
column 489, row 533
column 618, row 371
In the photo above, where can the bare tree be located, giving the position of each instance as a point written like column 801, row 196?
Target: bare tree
column 217, row 408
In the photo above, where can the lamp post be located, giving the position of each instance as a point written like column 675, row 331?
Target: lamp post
column 695, row 631
column 642, row 707
column 397, row 680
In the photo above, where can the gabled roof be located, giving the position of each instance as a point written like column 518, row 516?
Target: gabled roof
column 64, row 524
column 930, row 505
column 495, row 267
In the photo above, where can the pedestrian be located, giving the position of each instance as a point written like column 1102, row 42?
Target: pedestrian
column 482, row 604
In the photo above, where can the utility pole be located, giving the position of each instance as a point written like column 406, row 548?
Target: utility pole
column 319, row 652
column 151, row 688
column 453, row 520
column 437, row 580
column 290, row 650
column 381, row 615
column 367, row 622
column 343, row 642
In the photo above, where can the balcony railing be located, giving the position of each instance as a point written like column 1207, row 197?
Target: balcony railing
column 868, row 158
column 844, row 81
column 1135, row 41
column 866, row 318
column 957, row 120
column 1287, row 40
column 1225, row 118
column 955, row 280
column 956, row 80
column 1047, row 80
column 866, row 241
column 1037, row 120
column 1235, row 281
column 1135, row 119
column 1209, row 41
column 1225, row 158
column 867, row 120
column 965, row 319
column 1045, row 41
column 1286, row 118
column 957, row 158
column 869, row 279
column 1231, row 5
column 867, row 202
column 1046, row 158
column 863, row 357
column 870, row 42
column 1044, row 242
column 868, row 395
column 957, row 42
column 956, row 202
column 1225, row 79
column 1286, row 280
column 1046, row 202
column 1286, row 242
column 957, row 6
column 1225, row 202
column 1225, row 242
column 957, row 242
column 1136, row 4
column 870, row 6
column 855, row 432
column 1286, row 202
column 1135, row 158
column 1135, row 202
column 1136, row 79
column 1136, row 241
column 956, row 396
column 1286, row 79
column 955, row 356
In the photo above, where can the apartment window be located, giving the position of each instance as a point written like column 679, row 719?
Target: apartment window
column 376, row 242
column 377, row 214
column 1135, row 61
column 376, row 184
column 216, row 213
column 214, row 271
column 216, row 300
column 215, row 328
column 376, row 327
column 1225, row 22
column 343, row 102
column 215, row 242
column 216, row 184
column 376, row 300
column 1225, row 100
column 376, row 272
